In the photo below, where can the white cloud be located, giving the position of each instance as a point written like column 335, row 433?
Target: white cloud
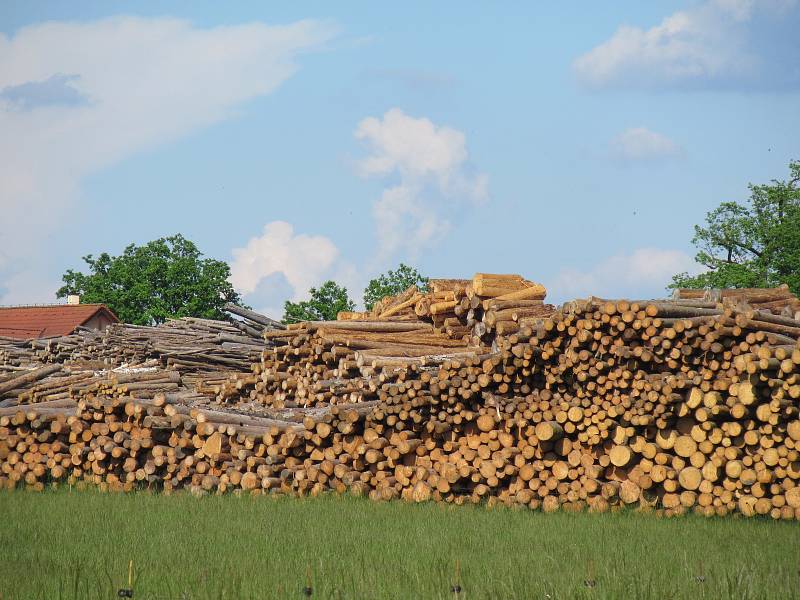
column 415, row 147
column 77, row 97
column 403, row 220
column 639, row 143
column 301, row 259
column 435, row 179
column 719, row 43
column 645, row 273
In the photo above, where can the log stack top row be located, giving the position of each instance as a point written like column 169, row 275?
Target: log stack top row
column 778, row 301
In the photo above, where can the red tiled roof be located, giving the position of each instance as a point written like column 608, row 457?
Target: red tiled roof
column 23, row 322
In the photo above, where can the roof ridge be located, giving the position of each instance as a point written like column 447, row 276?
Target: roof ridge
column 52, row 305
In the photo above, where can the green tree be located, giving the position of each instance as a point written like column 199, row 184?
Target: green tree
column 756, row 244
column 165, row 278
column 324, row 304
column 393, row 282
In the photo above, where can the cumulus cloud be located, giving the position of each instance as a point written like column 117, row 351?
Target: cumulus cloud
column 302, row 259
column 644, row 273
column 77, row 97
column 639, row 143
column 717, row 44
column 435, row 178
column 280, row 262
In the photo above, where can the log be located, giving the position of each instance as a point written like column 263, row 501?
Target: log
column 370, row 326
column 29, row 377
column 535, row 292
column 253, row 316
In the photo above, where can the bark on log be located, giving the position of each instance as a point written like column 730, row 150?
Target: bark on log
column 253, row 316
column 29, row 377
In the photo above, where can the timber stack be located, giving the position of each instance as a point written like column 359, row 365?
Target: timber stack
column 189, row 344
column 778, row 301
column 687, row 404
column 476, row 309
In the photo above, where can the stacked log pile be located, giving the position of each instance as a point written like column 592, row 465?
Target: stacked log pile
column 778, row 301
column 455, row 320
column 341, row 361
column 476, row 309
column 687, row 404
column 14, row 355
column 196, row 355
column 191, row 344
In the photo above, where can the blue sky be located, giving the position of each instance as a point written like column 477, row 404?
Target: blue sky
column 575, row 144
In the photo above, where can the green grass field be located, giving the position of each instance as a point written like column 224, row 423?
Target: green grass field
column 62, row 544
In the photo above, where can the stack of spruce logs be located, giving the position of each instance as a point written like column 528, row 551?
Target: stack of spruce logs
column 778, row 301
column 193, row 356
column 474, row 309
column 189, row 344
column 671, row 405
column 328, row 362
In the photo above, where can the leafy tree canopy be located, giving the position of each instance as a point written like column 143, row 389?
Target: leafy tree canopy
column 756, row 244
column 393, row 282
column 325, row 302
column 165, row 278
